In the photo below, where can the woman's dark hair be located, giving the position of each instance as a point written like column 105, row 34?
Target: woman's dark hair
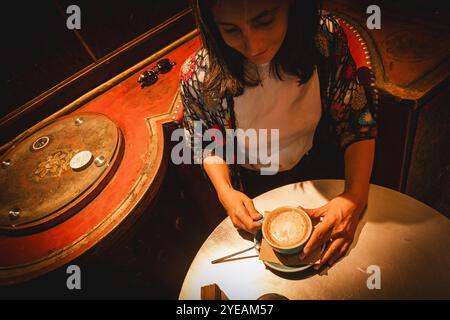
column 297, row 55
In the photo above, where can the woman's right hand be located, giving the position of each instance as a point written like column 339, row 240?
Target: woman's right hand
column 241, row 210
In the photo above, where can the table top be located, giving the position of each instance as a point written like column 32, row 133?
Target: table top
column 406, row 239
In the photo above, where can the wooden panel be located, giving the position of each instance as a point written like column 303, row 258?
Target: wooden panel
column 107, row 25
column 411, row 62
column 40, row 52
column 411, row 51
column 144, row 264
column 429, row 174
column 64, row 86
column 395, row 120
column 140, row 114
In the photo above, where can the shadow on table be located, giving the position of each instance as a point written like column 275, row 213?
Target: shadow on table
column 300, row 275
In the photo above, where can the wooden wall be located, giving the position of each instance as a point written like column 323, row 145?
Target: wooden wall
column 48, row 65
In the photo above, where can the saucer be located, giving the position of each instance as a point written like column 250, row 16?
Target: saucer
column 277, row 266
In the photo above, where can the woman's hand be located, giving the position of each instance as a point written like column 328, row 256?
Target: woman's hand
column 239, row 207
column 241, row 210
column 340, row 219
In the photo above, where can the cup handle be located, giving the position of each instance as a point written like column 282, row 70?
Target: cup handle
column 262, row 219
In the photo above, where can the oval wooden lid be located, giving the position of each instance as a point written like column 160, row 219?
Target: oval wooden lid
column 56, row 171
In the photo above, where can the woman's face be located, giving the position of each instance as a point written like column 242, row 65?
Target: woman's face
column 255, row 28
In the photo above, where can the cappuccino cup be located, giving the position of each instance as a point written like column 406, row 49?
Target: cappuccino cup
column 287, row 229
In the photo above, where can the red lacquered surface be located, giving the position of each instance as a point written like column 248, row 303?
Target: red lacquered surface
column 140, row 113
column 356, row 46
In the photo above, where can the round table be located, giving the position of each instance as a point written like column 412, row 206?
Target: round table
column 407, row 240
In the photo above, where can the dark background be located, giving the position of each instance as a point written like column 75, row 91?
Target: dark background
column 41, row 51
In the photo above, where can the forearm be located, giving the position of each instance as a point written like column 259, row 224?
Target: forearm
column 358, row 168
column 218, row 173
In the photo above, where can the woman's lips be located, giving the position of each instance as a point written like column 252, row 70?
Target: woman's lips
column 259, row 54
column 260, row 58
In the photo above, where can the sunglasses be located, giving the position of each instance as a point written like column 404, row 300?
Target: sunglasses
column 149, row 77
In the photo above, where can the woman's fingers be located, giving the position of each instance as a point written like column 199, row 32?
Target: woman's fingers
column 333, row 249
column 314, row 212
column 245, row 221
column 339, row 254
column 254, row 214
column 250, row 226
column 320, row 235
column 254, row 227
column 237, row 222
column 242, row 212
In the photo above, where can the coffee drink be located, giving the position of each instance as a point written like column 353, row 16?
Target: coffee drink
column 287, row 227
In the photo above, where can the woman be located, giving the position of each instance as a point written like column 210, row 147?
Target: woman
column 284, row 65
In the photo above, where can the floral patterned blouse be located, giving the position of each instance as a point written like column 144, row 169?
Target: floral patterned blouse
column 349, row 115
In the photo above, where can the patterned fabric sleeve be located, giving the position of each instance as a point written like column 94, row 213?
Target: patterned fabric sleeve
column 207, row 109
column 202, row 110
column 350, row 111
column 193, row 109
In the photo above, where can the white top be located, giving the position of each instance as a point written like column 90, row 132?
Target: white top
column 294, row 110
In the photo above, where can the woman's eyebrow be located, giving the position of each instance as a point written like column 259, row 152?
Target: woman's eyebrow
column 264, row 13
column 258, row 16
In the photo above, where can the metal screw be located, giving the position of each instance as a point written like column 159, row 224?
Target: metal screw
column 100, row 161
column 79, row 121
column 6, row 163
column 14, row 213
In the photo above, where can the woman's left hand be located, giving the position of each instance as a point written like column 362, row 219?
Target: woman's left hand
column 340, row 219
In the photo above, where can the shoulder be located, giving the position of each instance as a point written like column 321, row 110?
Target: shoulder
column 192, row 75
column 194, row 68
column 330, row 38
column 328, row 22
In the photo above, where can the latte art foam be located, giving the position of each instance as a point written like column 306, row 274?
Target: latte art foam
column 287, row 228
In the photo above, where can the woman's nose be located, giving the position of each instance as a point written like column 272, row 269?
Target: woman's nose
column 253, row 44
